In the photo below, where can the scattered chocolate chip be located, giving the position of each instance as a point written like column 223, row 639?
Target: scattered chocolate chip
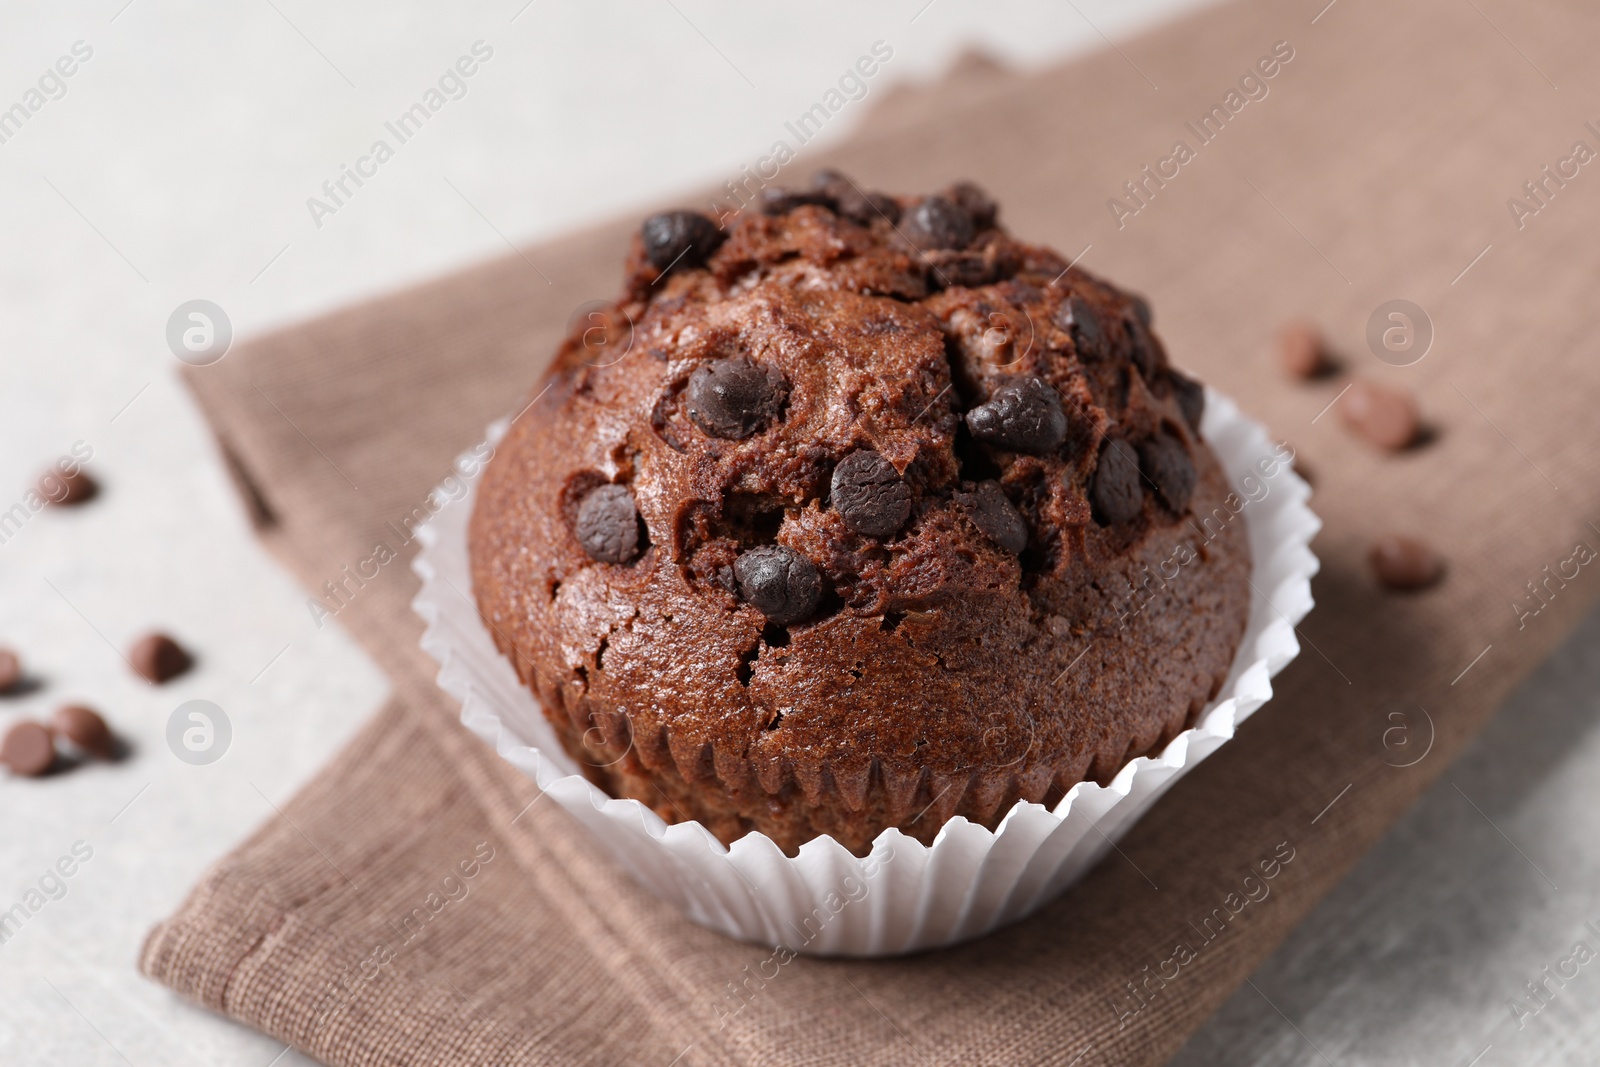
column 869, row 494
column 938, row 222
column 84, row 728
column 608, row 524
column 28, row 749
column 733, row 397
column 979, row 205
column 10, row 670
column 1077, row 318
column 1141, row 310
column 778, row 582
column 1405, row 563
column 995, row 516
column 1386, row 417
column 1116, row 493
column 67, row 488
column 1165, row 461
column 158, row 658
column 1302, row 352
column 681, row 238
column 1023, row 415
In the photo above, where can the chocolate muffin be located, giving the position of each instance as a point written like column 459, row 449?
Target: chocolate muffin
column 859, row 513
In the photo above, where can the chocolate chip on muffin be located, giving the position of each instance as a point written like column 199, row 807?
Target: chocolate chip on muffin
column 979, row 205
column 1191, row 398
column 675, row 238
column 936, row 222
column 1117, row 493
column 1165, row 462
column 996, row 516
column 733, row 397
column 778, row 582
column 869, row 494
column 1077, row 318
column 1024, row 415
column 608, row 524
column 874, row 528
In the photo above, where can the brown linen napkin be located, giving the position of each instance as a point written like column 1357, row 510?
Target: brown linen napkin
column 1377, row 166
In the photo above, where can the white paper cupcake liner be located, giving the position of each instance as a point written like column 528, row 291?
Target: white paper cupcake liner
column 904, row 895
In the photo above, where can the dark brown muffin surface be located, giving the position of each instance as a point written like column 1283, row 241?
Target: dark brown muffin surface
column 859, row 514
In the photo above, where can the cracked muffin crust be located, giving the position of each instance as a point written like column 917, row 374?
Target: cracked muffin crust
column 859, row 514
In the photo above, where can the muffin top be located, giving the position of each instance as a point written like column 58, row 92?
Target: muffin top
column 847, row 483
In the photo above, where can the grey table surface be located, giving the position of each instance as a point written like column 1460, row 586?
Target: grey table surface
column 176, row 163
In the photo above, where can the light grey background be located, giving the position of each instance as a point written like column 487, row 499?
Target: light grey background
column 177, row 166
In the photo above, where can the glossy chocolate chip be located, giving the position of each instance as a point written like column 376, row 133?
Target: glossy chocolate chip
column 1301, row 351
column 158, row 658
column 10, row 670
column 1165, row 461
column 1023, row 415
column 1404, row 563
column 66, row 489
column 28, row 749
column 1386, row 417
column 733, row 398
column 995, row 516
column 1191, row 397
column 608, row 525
column 869, row 494
column 1077, row 318
column 978, row 205
column 85, row 729
column 679, row 238
column 1116, row 493
column 778, row 582
column 938, row 222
